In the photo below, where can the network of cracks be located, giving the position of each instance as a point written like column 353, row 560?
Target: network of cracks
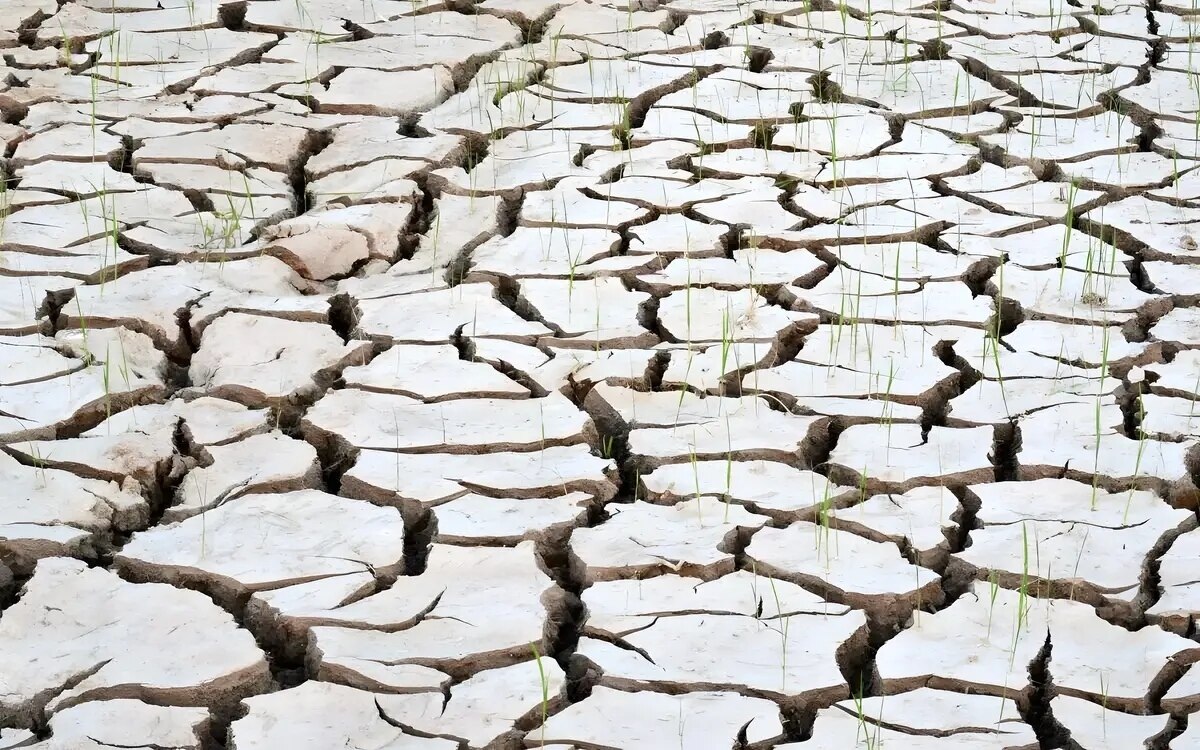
column 701, row 374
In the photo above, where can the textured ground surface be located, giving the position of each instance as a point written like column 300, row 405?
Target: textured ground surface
column 705, row 374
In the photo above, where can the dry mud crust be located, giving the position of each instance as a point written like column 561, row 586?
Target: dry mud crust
column 580, row 375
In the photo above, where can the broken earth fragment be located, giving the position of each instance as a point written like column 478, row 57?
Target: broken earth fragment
column 700, row 720
column 301, row 718
column 250, row 543
column 171, row 645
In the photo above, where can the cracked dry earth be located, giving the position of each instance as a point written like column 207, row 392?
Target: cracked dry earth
column 701, row 374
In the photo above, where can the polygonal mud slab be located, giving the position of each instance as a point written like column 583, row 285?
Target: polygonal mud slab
column 472, row 608
column 677, row 427
column 923, row 89
column 1177, row 606
column 205, row 420
column 1095, row 725
column 924, row 719
column 1085, row 442
column 150, row 458
column 479, row 519
column 986, row 640
column 260, row 464
column 434, row 317
column 433, row 478
column 618, row 608
column 846, row 568
column 574, row 203
column 1161, row 230
column 262, row 542
column 357, row 91
column 487, row 708
column 525, row 159
column 168, row 645
column 29, row 359
column 897, row 457
column 124, row 722
column 570, row 365
column 315, row 251
column 996, row 362
column 922, row 521
column 674, row 235
column 907, row 261
column 846, row 136
column 301, row 718
column 1045, row 248
column 544, row 252
column 862, row 370
column 895, row 381
column 696, row 537
column 795, row 654
column 713, row 368
column 431, row 373
column 712, row 315
column 1178, row 377
column 380, row 421
column 750, row 266
column 749, row 434
column 1069, row 539
column 1091, row 297
column 998, row 399
column 261, row 360
column 1038, row 140
column 591, row 313
column 1178, row 326
column 154, row 301
column 766, row 487
column 704, row 720
column 1087, row 345
column 1124, row 171
column 75, row 400
column 855, row 297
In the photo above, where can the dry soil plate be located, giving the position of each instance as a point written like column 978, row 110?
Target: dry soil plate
column 521, row 373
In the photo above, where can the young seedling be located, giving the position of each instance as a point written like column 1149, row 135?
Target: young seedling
column 1100, row 395
column 606, row 446
column 545, row 684
column 782, row 628
column 1022, row 594
column 993, row 590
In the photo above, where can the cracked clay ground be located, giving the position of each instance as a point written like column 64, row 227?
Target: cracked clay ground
column 612, row 375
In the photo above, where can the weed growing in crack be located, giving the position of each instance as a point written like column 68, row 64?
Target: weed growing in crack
column 993, row 590
column 1022, row 594
column 105, row 378
column 545, row 685
column 1137, row 463
column 1068, row 223
column 782, row 628
column 39, row 463
column 824, row 523
column 868, row 740
column 1097, row 412
column 606, row 446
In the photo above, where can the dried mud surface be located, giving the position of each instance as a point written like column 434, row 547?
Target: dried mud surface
column 506, row 374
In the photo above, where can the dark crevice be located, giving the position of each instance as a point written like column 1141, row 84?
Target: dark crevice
column 343, row 316
column 1037, row 712
column 420, row 531
column 314, row 143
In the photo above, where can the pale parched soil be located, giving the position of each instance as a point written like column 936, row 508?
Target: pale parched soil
column 699, row 374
